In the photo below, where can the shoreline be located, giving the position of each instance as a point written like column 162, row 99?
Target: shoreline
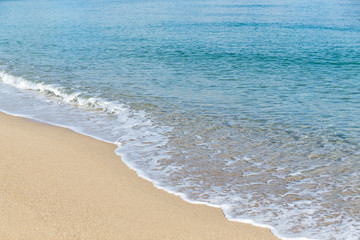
column 59, row 184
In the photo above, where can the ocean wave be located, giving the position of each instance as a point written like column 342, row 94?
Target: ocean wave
column 73, row 98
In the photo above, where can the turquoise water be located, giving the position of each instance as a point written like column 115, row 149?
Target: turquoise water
column 252, row 107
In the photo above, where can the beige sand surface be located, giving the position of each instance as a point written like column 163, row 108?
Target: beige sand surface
column 56, row 184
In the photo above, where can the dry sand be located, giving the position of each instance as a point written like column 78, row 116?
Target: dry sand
column 57, row 184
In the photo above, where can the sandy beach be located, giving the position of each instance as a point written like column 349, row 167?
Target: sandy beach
column 57, row 184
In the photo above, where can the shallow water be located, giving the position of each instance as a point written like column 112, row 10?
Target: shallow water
column 250, row 107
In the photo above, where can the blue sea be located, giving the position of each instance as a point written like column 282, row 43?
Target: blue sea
column 250, row 106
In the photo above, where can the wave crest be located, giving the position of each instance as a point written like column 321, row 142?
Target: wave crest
column 73, row 98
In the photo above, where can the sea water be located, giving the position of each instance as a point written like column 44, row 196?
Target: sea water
column 251, row 106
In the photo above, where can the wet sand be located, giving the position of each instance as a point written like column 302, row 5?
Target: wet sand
column 57, row 184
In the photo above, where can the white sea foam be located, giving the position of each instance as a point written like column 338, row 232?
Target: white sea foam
column 141, row 142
